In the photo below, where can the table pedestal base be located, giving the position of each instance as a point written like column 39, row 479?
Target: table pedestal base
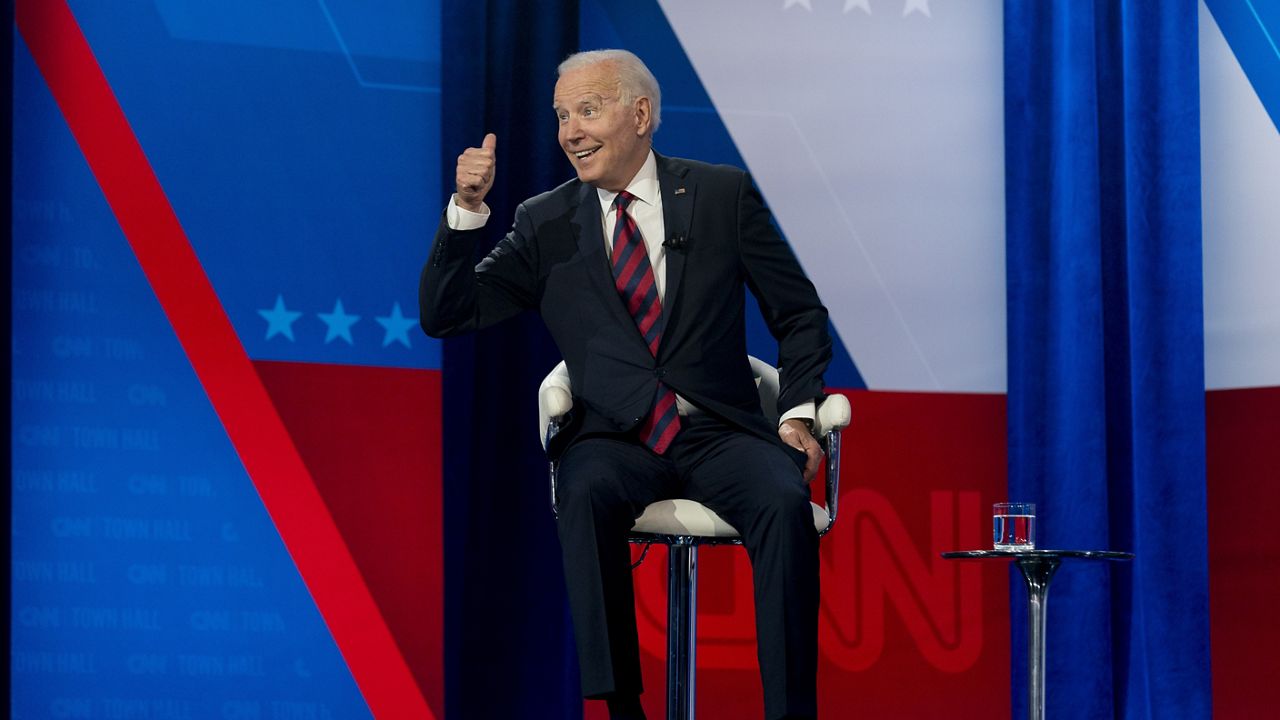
column 1037, row 572
column 1038, row 567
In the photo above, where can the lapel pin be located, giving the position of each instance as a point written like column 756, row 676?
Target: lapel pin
column 679, row 191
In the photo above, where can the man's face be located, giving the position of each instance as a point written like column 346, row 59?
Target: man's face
column 606, row 141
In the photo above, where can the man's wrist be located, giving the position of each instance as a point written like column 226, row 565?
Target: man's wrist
column 476, row 208
column 804, row 412
column 460, row 218
column 804, row 422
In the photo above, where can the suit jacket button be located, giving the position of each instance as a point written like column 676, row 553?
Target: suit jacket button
column 637, row 420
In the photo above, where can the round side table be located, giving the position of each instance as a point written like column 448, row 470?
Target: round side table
column 1038, row 567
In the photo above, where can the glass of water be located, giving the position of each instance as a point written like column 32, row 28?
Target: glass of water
column 1013, row 526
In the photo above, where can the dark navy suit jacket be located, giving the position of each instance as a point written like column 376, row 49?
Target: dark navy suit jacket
column 720, row 238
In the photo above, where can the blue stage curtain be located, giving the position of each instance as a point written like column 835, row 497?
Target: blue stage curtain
column 508, row 641
column 1106, row 359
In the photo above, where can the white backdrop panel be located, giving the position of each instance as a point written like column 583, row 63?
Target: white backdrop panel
column 875, row 129
column 1240, row 158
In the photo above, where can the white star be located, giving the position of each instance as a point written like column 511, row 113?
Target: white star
column 921, row 6
column 863, row 5
column 279, row 320
column 339, row 323
column 397, row 326
column 802, row 3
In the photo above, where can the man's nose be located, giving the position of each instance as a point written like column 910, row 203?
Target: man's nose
column 572, row 129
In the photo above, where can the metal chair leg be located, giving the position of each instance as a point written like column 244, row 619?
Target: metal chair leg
column 682, row 620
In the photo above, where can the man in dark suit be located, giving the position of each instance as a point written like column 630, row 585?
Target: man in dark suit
column 638, row 268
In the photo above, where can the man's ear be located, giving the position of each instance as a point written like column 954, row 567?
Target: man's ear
column 644, row 116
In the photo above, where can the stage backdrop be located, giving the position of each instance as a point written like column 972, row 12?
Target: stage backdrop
column 226, row 458
column 1240, row 163
column 226, row 428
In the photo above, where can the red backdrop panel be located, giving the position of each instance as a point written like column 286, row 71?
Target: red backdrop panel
column 1243, row 461
column 371, row 438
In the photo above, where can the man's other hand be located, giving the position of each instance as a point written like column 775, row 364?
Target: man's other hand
column 475, row 173
column 795, row 433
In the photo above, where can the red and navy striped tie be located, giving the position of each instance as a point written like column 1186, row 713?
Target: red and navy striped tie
column 633, row 276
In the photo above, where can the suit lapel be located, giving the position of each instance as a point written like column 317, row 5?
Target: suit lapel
column 588, row 230
column 586, row 222
column 678, row 190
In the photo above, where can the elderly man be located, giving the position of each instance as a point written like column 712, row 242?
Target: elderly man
column 638, row 268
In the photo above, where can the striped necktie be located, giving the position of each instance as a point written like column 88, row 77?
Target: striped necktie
column 633, row 277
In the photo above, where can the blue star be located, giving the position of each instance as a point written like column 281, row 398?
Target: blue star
column 339, row 323
column 279, row 320
column 397, row 326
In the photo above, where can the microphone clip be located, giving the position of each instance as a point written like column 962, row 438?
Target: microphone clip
column 677, row 243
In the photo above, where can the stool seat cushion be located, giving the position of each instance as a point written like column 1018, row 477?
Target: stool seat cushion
column 686, row 517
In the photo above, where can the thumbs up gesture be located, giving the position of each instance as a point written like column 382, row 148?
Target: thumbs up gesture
column 475, row 173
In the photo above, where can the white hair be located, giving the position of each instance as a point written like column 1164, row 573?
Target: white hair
column 634, row 79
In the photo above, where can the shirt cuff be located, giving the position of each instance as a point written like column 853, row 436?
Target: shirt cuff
column 463, row 219
column 803, row 411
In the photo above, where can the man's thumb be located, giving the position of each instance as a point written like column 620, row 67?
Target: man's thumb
column 490, row 142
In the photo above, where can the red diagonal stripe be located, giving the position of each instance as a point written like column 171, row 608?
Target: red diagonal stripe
column 234, row 389
column 651, row 317
column 655, row 433
column 637, row 297
column 633, row 262
column 621, row 240
column 663, row 441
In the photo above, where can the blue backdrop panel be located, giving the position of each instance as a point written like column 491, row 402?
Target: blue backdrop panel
column 148, row 581
column 298, row 143
column 1106, row 346
column 1252, row 28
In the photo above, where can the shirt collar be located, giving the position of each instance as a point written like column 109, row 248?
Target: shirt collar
column 644, row 185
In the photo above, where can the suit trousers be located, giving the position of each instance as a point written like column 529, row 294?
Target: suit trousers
column 605, row 482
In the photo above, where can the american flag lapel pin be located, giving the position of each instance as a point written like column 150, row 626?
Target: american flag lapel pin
column 679, row 191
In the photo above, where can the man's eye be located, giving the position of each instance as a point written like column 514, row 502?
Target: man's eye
column 589, row 112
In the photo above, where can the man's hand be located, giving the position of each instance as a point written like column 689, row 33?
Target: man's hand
column 796, row 434
column 475, row 173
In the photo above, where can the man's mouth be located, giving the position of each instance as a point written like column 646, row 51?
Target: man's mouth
column 586, row 153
